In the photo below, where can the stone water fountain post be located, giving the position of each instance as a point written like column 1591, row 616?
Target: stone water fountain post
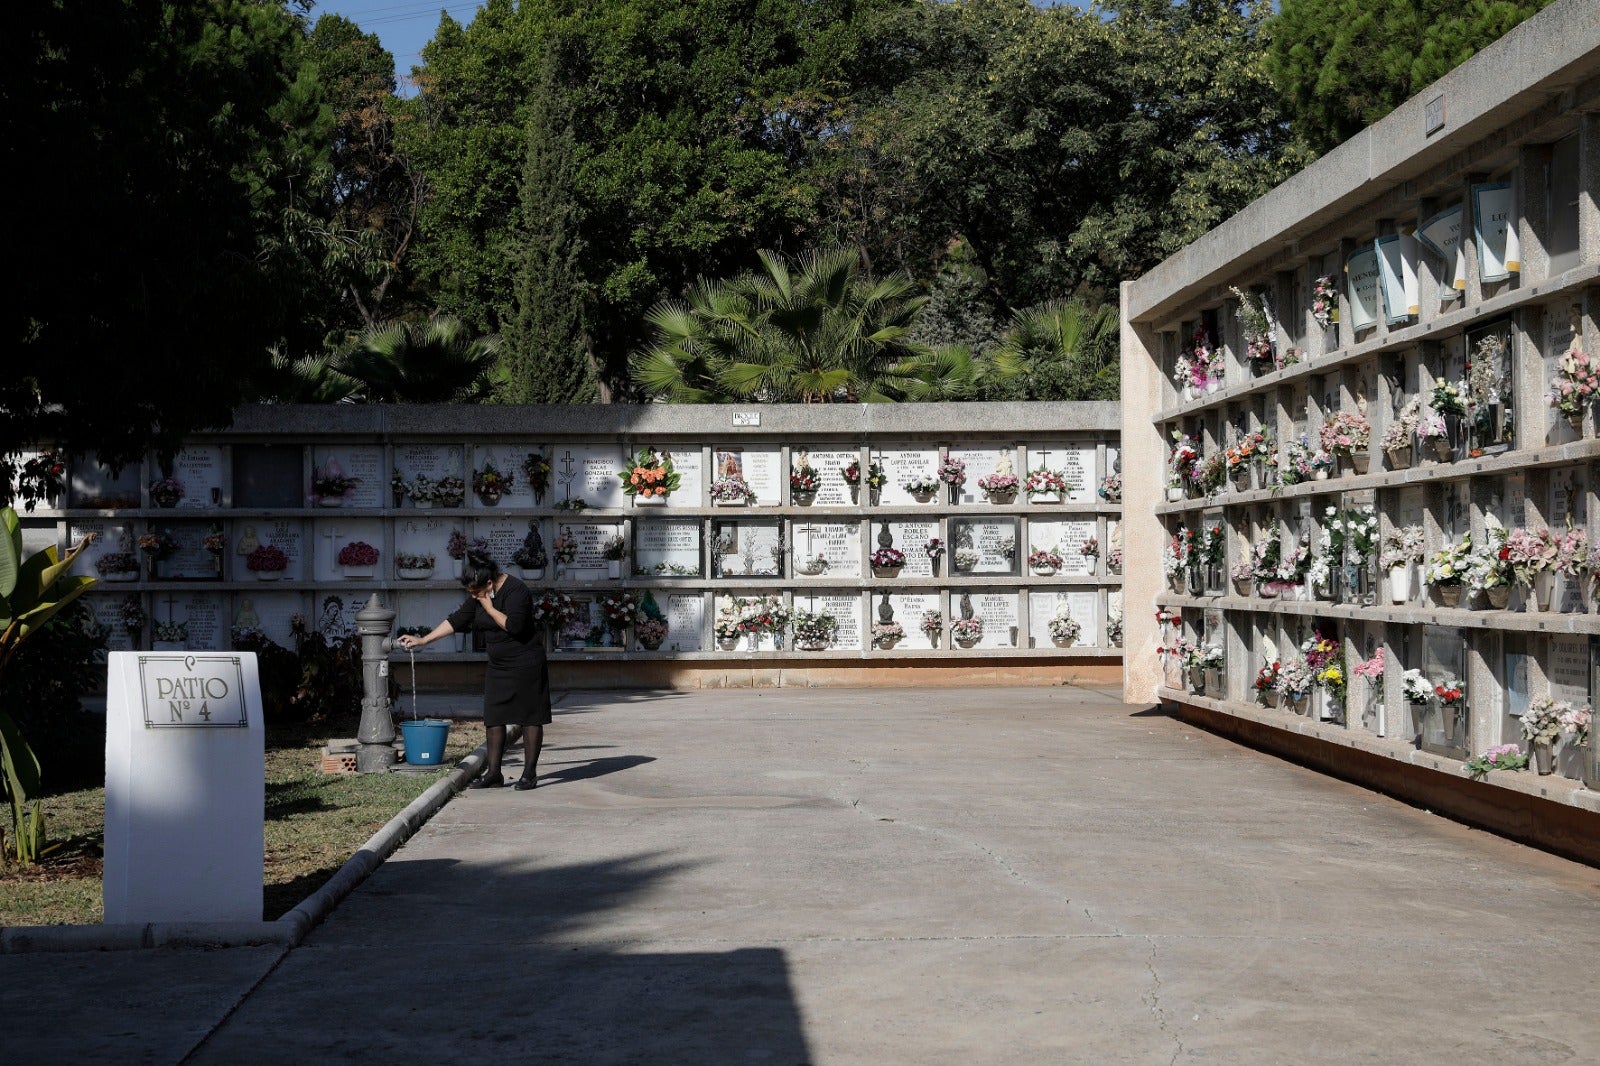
column 376, row 734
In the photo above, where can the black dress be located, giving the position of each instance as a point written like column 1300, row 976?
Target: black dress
column 516, row 687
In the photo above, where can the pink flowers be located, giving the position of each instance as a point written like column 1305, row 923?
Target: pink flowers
column 357, row 553
column 1371, row 669
column 1577, row 382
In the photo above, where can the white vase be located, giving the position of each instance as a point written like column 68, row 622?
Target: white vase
column 1544, row 590
column 649, row 501
column 1174, row 493
column 614, row 569
column 359, row 573
column 532, row 573
column 415, row 573
column 268, row 575
column 455, row 569
column 1400, row 583
column 1050, row 496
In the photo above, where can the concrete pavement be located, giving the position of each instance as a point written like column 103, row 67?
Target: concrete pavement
column 871, row 876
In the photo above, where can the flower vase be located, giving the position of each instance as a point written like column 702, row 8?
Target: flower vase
column 330, row 501
column 1047, row 496
column 415, row 573
column 1544, row 590
column 1400, row 583
column 1241, row 587
column 455, row 569
column 121, row 575
column 489, row 498
column 954, row 493
column 359, row 573
column 1269, row 697
column 268, row 575
column 532, row 573
column 1214, row 681
column 1442, row 450
column 886, row 571
column 1043, row 571
column 1499, row 596
column 1320, row 473
column 1197, row 681
column 1361, row 461
column 1400, row 458
column 1589, row 764
column 1298, row 702
column 650, row 501
column 752, row 642
column 1172, row 671
column 1196, row 583
column 1543, row 757
column 1449, row 595
column 614, row 569
column 1174, row 493
column 650, row 643
column 1316, row 590
column 1213, row 385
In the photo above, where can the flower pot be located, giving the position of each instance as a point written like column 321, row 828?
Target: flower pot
column 1214, row 681
column 1544, row 759
column 415, row 574
column 1197, row 680
column 1400, row 583
column 489, row 499
column 1051, row 496
column 614, row 569
column 738, row 502
column 1400, row 458
column 922, row 497
column 650, row 501
column 455, row 569
column 425, row 740
column 752, row 641
column 966, row 642
column 1361, row 461
column 451, row 503
column 1449, row 595
column 1269, row 697
column 886, row 571
column 330, row 501
column 268, row 575
column 1499, row 596
column 886, row 643
column 1241, row 588
column 359, row 573
column 1443, row 452
column 651, row 643
column 727, row 643
column 1213, row 385
column 811, row 645
column 1587, row 764
column 1196, row 583
column 1174, row 493
column 1544, row 590
column 1043, row 571
column 1267, row 592
column 1002, row 498
column 1316, row 591
column 802, row 499
column 121, row 575
column 532, row 573
column 1300, row 702
column 1321, row 473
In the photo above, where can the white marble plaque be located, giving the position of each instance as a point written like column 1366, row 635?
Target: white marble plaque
column 833, row 491
column 748, row 549
column 110, row 537
column 995, row 542
column 901, row 465
column 908, row 611
column 1569, row 669
column 333, row 534
column 107, row 611
column 589, row 474
column 431, row 536
column 846, row 610
column 504, row 533
column 1075, row 462
column 1074, row 535
column 1412, row 506
column 271, row 612
column 1000, row 618
column 981, row 462
column 686, row 613
column 591, row 537
column 432, row 461
column 507, row 457
column 838, row 543
column 688, row 462
column 90, row 485
column 361, row 462
column 190, row 560
column 761, row 468
column 1083, row 606
column 912, row 539
column 423, row 609
column 667, row 547
column 285, row 534
column 200, row 613
column 199, row 469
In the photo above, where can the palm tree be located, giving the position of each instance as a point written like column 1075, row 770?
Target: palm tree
column 816, row 331
column 1061, row 350
column 436, row 361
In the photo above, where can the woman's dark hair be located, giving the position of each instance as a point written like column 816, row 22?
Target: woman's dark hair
column 478, row 569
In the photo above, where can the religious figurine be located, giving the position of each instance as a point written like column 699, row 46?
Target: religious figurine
column 247, row 617
column 885, row 610
column 1004, row 465
column 248, row 543
column 966, row 605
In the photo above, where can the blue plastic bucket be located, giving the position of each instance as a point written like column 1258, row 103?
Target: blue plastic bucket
column 425, row 739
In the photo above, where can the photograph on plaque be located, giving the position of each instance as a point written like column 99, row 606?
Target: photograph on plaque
column 982, row 463
column 268, row 549
column 1071, row 463
column 686, row 621
column 349, row 549
column 348, row 476
column 667, row 547
column 112, row 620
column 268, row 613
column 191, row 481
column 747, row 549
column 586, row 473
column 911, row 476
column 916, row 540
column 578, row 550
column 93, row 486
column 1517, row 674
column 268, row 475
column 844, row 607
column 826, row 549
column 828, row 467
column 909, row 609
column 759, row 468
column 983, row 546
column 427, row 475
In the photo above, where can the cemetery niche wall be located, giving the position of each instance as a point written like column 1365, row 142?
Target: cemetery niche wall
column 1360, row 426
column 957, row 532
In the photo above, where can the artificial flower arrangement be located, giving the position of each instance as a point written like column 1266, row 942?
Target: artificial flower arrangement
column 1576, row 383
column 117, row 562
column 966, row 630
column 1300, row 462
column 358, row 553
column 1114, row 559
column 874, row 477
column 618, row 609
column 1213, row 472
column 267, row 559
column 1201, row 366
column 536, row 468
column 815, row 565
column 998, row 484
column 1242, row 572
column 1267, row 677
column 1183, row 461
column 1575, row 721
column 1295, row 678
column 459, row 545
column 1572, row 553
column 158, row 544
column 1204, row 657
column 814, row 628
column 1402, row 546
column 1357, row 533
column 1257, row 329
column 1210, row 547
column 565, row 547
column 1064, row 629
column 1372, row 671
column 1296, row 562
column 556, row 610
column 1246, row 450
column 1044, row 481
column 731, row 488
column 491, row 482
column 804, row 481
column 1402, row 427
column 1450, row 565
column 921, row 485
column 650, row 475
column 965, row 559
column 1448, row 397
column 1090, row 548
column 934, row 547
column 215, row 541
column 1266, row 556
column 450, row 491
column 1345, row 431
column 888, row 559
column 132, row 613
column 1177, row 556
column 1044, row 559
column 413, row 561
column 531, row 556
column 1111, row 488
column 170, row 632
column 1324, row 300
column 650, row 626
column 576, row 503
column 885, row 634
column 1416, row 688
column 614, row 547
column 952, row 471
column 1114, row 623
column 1498, row 757
column 1541, row 722
column 1431, row 427
column 743, row 615
column 1530, row 553
column 932, row 623
column 421, row 490
column 166, row 492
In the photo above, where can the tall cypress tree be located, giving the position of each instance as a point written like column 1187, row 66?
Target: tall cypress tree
column 547, row 349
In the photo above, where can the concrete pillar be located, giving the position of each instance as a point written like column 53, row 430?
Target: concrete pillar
column 376, row 732
column 1144, row 457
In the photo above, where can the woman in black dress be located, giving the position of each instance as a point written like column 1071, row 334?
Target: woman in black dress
column 516, row 686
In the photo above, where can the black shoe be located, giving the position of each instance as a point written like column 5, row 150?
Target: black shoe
column 492, row 781
column 525, row 783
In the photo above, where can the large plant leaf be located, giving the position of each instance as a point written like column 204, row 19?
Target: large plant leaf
column 19, row 776
column 66, row 590
column 10, row 551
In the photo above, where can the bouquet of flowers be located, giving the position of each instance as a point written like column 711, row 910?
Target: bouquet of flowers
column 1111, row 488
column 531, row 556
column 565, row 547
column 1575, row 722
column 1398, row 433
column 358, row 553
column 1357, row 532
column 1176, row 558
column 612, row 550
column 451, row 491
column 158, row 544
column 888, row 558
column 422, row 490
column 1372, row 670
column 1183, row 462
column 1296, row 562
column 618, row 609
column 172, row 632
column 1114, row 558
column 1431, row 426
column 650, row 631
column 1541, row 722
column 1449, row 397
column 934, row 547
column 1345, row 431
column 266, row 559
column 952, row 471
column 1499, row 757
column 1295, row 677
column 886, row 633
column 921, row 485
column 167, row 492
column 966, row 628
column 731, row 487
column 1267, row 677
column 132, row 613
column 1064, row 629
column 1090, row 548
column 1044, row 558
column 408, row 561
column 874, row 477
column 932, row 623
column 814, row 628
column 650, row 474
column 1114, row 622
column 117, row 563
column 998, row 484
column 1577, row 381
column 1320, row 651
column 459, row 545
column 1572, row 553
column 1450, row 564
column 965, row 559
column 1416, row 687
column 556, row 610
column 578, row 503
column 491, row 481
column 1243, row 572
column 1402, row 545
column 1212, row 546
column 1324, row 300
column 1043, row 481
column 804, row 480
column 1530, row 553
column 215, row 540
column 1298, row 464
column 536, row 468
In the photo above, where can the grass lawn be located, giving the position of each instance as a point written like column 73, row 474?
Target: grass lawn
column 315, row 821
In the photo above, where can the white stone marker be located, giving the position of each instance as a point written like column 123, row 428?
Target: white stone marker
column 185, row 787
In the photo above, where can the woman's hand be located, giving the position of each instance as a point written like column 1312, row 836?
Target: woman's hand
column 485, row 596
column 408, row 642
